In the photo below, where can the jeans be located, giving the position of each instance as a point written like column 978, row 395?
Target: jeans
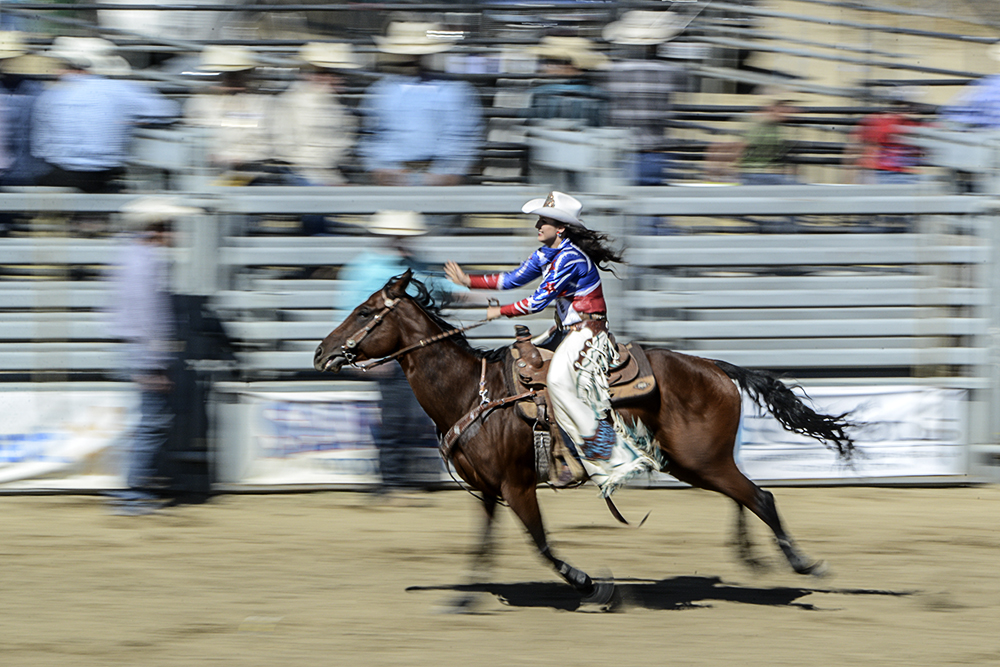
column 148, row 439
column 404, row 424
column 766, row 178
column 896, row 178
column 650, row 169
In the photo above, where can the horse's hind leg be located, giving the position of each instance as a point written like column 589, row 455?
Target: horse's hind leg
column 524, row 503
column 729, row 481
column 743, row 543
column 765, row 508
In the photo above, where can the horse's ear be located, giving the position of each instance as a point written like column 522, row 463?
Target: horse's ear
column 396, row 288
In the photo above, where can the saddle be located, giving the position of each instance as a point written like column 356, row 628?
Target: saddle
column 632, row 378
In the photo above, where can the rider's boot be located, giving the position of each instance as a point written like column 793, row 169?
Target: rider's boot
column 610, row 461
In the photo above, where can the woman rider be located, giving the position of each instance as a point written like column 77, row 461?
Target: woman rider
column 568, row 262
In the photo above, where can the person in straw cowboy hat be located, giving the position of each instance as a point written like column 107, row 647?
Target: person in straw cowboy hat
column 11, row 47
column 404, row 423
column 568, row 93
column 237, row 120
column 83, row 126
column 142, row 317
column 568, row 263
column 639, row 87
column 313, row 131
column 422, row 130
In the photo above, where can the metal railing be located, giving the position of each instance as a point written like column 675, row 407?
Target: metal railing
column 834, row 301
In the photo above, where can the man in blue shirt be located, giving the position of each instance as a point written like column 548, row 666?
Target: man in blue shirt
column 24, row 79
column 142, row 317
column 420, row 130
column 83, row 126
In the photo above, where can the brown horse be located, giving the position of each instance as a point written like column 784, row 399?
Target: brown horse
column 693, row 417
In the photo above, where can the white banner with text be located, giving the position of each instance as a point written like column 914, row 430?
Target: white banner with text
column 64, row 439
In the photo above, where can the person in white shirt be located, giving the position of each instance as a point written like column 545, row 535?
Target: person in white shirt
column 313, row 131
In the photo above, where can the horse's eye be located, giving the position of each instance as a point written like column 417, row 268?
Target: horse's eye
column 365, row 312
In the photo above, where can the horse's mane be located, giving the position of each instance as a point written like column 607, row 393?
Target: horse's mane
column 432, row 309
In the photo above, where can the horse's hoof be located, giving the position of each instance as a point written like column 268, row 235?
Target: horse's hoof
column 603, row 595
column 817, row 568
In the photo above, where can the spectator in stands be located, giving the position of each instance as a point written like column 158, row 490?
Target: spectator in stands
column 568, row 92
column 639, row 88
column 978, row 105
column 878, row 146
column 762, row 152
column 313, row 131
column 11, row 46
column 420, row 129
column 24, row 79
column 83, row 126
column 237, row 119
column 404, row 423
column 759, row 157
column 142, row 317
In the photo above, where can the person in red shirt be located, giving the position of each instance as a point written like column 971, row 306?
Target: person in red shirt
column 879, row 145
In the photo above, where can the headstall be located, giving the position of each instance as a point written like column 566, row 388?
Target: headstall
column 352, row 342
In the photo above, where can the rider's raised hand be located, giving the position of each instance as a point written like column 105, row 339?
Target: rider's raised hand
column 456, row 274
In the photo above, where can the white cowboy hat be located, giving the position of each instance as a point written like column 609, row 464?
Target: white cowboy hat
column 577, row 50
column 415, row 39
column 397, row 223
column 142, row 212
column 641, row 27
column 91, row 54
column 226, row 58
column 558, row 206
column 11, row 44
column 328, row 55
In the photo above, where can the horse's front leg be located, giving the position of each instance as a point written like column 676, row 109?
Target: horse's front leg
column 482, row 559
column 524, row 502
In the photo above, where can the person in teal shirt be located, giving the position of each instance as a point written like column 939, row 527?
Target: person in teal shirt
column 404, row 424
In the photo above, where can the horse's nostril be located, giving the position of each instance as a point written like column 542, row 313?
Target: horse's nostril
column 319, row 353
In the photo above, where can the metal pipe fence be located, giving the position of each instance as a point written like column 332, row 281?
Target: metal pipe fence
column 839, row 301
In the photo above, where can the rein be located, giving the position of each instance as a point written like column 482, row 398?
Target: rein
column 390, row 304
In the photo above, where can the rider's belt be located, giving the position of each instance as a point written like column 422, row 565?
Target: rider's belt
column 585, row 317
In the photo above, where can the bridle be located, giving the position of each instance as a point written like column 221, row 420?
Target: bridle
column 351, row 344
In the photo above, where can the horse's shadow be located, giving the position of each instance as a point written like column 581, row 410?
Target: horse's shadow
column 676, row 593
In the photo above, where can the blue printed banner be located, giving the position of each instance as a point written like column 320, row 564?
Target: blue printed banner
column 316, row 438
column 64, row 438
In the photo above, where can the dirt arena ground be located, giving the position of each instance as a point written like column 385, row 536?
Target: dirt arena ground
column 334, row 579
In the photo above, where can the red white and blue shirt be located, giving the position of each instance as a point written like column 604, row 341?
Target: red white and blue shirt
column 569, row 278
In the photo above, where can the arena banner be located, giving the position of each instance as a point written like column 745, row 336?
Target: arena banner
column 326, row 438
column 316, row 439
column 903, row 432
column 64, row 439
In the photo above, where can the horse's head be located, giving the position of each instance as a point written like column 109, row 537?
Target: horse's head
column 365, row 334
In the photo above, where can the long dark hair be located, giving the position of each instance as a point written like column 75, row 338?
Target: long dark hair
column 596, row 245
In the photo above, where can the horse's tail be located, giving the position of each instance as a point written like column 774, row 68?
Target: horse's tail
column 769, row 392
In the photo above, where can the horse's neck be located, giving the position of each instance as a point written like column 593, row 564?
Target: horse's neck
column 445, row 380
